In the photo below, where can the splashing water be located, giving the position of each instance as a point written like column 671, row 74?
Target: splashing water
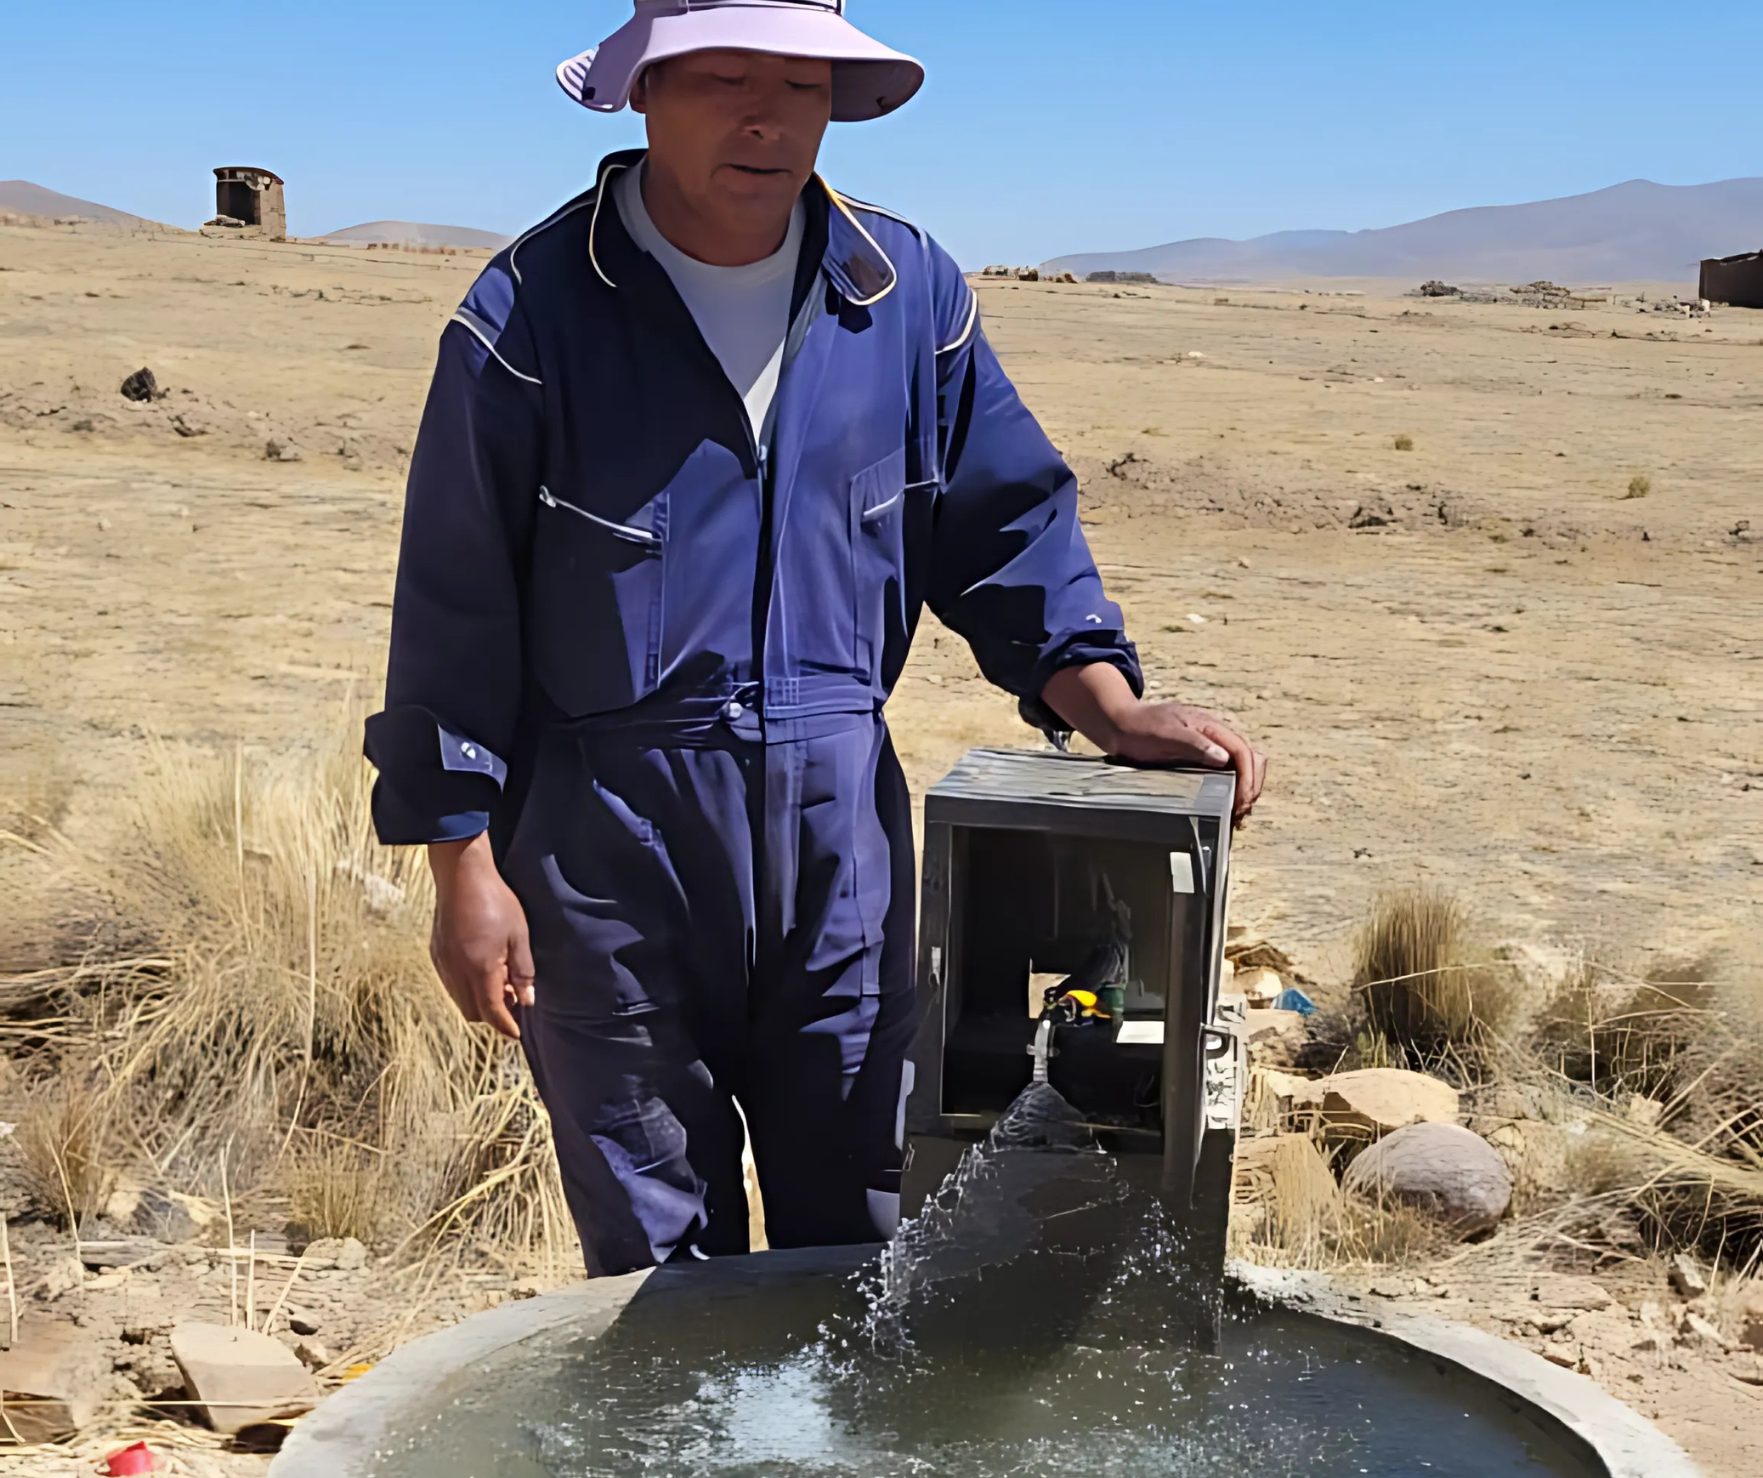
column 1030, row 1323
column 992, row 1206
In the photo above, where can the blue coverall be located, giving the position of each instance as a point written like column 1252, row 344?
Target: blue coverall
column 646, row 646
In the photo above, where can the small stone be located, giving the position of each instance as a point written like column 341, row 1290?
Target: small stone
column 311, row 1354
column 1442, row 1169
column 1686, row 1277
column 1274, row 1037
column 1562, row 1291
column 126, row 1254
column 241, row 1377
column 53, row 1379
column 1698, row 1327
column 1566, row 1356
column 64, row 1275
column 1751, row 1317
column 1259, row 984
column 303, row 1321
column 142, row 387
column 345, row 1253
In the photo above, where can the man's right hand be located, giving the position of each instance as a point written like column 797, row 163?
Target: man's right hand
column 479, row 943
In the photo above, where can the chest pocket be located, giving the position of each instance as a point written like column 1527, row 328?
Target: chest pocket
column 597, row 587
column 878, row 497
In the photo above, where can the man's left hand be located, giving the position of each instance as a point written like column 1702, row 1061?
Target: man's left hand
column 1098, row 702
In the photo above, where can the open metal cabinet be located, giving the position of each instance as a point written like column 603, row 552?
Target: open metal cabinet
column 1041, row 869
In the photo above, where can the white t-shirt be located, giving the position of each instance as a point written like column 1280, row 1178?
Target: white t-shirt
column 743, row 312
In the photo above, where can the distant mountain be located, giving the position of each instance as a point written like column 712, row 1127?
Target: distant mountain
column 416, row 233
column 27, row 199
column 1634, row 232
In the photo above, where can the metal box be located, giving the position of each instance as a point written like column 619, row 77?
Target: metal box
column 1033, row 862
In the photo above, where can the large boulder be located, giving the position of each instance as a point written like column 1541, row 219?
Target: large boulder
column 1379, row 1100
column 241, row 1377
column 1443, row 1169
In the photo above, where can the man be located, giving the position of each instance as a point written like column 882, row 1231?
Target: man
column 698, row 450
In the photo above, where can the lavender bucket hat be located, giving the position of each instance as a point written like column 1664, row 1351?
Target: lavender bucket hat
column 869, row 79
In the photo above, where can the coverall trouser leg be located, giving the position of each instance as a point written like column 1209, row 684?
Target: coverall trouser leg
column 713, row 923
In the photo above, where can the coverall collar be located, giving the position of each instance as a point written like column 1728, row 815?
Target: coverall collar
column 852, row 260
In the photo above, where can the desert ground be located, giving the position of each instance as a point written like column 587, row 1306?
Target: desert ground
column 1483, row 579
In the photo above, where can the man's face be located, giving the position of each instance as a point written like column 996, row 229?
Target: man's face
column 738, row 131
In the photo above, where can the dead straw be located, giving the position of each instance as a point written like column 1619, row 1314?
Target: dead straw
column 11, row 1282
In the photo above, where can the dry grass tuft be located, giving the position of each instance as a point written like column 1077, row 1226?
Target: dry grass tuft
column 1639, row 486
column 1430, row 988
column 1623, row 1031
column 245, row 972
column 1404, row 443
column 66, row 1148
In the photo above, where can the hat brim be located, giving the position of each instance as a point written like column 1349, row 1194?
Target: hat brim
column 869, row 79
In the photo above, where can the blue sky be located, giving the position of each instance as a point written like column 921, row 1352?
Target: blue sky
column 1047, row 125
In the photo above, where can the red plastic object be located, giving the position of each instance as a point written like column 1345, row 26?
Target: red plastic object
column 137, row 1458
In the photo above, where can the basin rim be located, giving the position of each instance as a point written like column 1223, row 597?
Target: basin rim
column 341, row 1436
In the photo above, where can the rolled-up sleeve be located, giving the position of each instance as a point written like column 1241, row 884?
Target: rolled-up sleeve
column 1011, row 570
column 454, row 675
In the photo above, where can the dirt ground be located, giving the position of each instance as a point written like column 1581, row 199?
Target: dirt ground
column 1494, row 659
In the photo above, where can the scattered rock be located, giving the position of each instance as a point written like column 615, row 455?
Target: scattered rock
column 241, row 1377
column 1260, row 984
column 1394, row 1288
column 142, row 387
column 311, row 1354
column 1686, row 1277
column 281, row 451
column 1380, row 1100
column 1751, row 1317
column 1694, row 1326
column 1437, row 289
column 54, row 1380
column 1274, row 1037
column 167, row 1218
column 1440, row 1168
column 184, row 426
column 63, row 1275
column 1378, row 516
column 303, row 1322
column 336, row 1252
column 127, row 1254
column 1563, row 1291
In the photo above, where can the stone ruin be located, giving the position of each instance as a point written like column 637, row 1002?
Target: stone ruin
column 248, row 202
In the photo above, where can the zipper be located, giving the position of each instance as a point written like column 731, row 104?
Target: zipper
column 871, row 514
column 623, row 531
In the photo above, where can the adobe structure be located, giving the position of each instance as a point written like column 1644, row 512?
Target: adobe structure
column 1735, row 281
column 249, row 202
